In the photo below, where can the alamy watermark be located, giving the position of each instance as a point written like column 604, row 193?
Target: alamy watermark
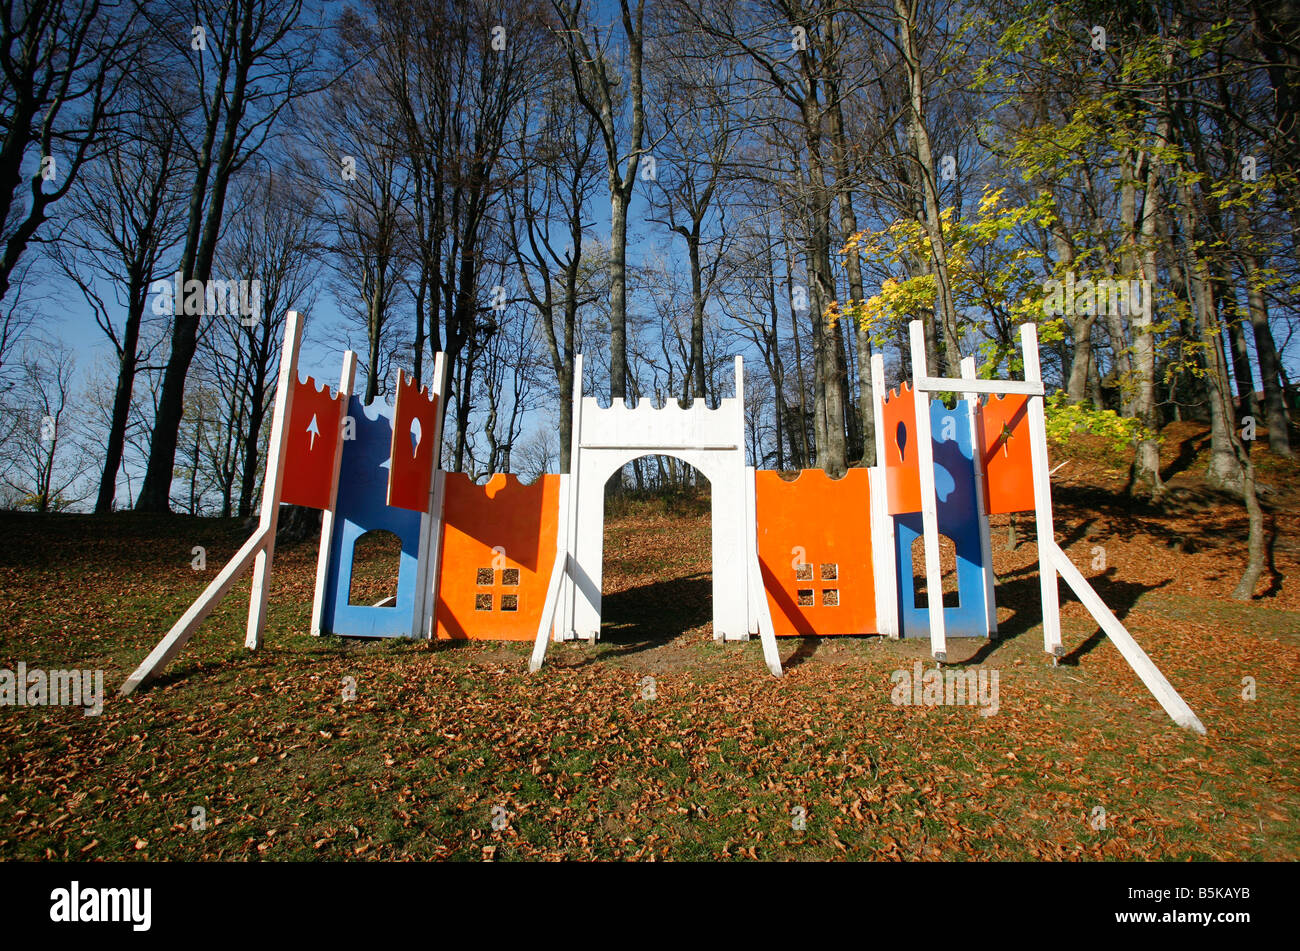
column 77, row 904
column 1103, row 297
column 53, row 688
column 176, row 296
column 949, row 687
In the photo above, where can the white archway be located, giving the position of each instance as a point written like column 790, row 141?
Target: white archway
column 607, row 438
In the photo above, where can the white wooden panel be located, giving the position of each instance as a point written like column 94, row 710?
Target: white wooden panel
column 650, row 429
column 929, row 502
column 943, row 384
column 424, row 621
column 882, row 523
column 276, row 449
column 711, row 440
column 547, row 620
column 1043, row 524
column 755, row 598
column 565, row 626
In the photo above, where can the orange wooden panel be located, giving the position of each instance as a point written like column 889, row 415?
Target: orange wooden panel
column 315, row 423
column 1004, row 448
column 476, row 583
column 825, row 524
column 902, row 474
column 412, row 466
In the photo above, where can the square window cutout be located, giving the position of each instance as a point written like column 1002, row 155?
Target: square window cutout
column 830, row 571
column 484, row 576
column 830, row 597
column 482, row 602
column 803, row 573
column 509, row 602
column 510, row 577
column 805, row 597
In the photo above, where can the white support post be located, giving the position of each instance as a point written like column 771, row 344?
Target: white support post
column 167, row 649
column 929, row 499
column 567, row 531
column 346, row 382
column 753, row 595
column 1132, row 652
column 746, row 499
column 754, row 580
column 977, row 457
column 882, row 544
column 259, row 548
column 429, row 558
column 1046, row 532
column 276, row 449
column 740, row 394
column 558, row 572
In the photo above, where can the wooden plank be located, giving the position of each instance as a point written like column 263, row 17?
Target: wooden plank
column 346, row 383
column 175, row 639
column 882, row 544
column 929, row 503
column 766, row 630
column 558, row 571
column 752, row 594
column 943, row 384
column 429, row 560
column 1132, row 652
column 276, row 448
column 748, row 513
column 569, row 525
column 740, row 405
column 986, row 544
column 1043, row 523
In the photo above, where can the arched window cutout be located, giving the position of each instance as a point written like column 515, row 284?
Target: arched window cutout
column 415, row 435
column 900, row 437
column 376, row 562
column 947, row 570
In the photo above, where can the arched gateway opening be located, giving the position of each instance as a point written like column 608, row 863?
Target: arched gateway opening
column 710, row 440
column 657, row 573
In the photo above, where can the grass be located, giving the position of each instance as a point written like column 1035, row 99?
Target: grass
column 721, row 763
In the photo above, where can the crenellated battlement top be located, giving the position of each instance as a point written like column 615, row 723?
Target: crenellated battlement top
column 407, row 384
column 904, row 389
column 667, row 427
column 320, row 386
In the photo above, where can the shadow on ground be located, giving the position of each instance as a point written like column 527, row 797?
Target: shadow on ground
column 649, row 615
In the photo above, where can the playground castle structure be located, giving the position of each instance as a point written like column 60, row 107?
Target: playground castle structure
column 808, row 556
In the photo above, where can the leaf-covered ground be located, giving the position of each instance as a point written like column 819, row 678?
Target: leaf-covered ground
column 724, row 761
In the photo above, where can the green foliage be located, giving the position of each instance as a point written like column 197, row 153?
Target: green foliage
column 990, row 272
column 1064, row 418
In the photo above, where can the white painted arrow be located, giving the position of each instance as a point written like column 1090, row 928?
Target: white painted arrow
column 314, row 430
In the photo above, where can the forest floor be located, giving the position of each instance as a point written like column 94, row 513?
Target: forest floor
column 236, row 755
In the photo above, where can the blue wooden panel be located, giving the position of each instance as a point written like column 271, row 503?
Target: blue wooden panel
column 958, row 517
column 361, row 508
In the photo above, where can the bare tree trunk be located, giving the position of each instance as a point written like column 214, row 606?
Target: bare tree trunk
column 1224, row 470
column 1147, row 458
column 1279, row 434
column 805, row 456
column 697, row 316
column 905, row 15
column 617, row 292
column 595, row 89
column 121, row 406
column 254, row 32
